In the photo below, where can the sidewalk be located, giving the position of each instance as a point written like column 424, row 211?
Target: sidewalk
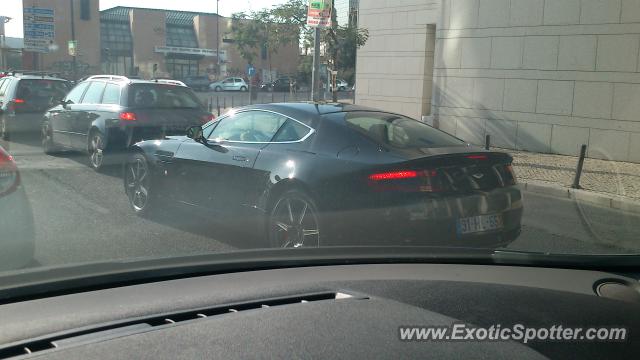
column 610, row 183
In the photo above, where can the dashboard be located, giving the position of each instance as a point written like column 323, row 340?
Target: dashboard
column 346, row 311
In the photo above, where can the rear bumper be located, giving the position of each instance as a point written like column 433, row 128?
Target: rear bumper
column 17, row 232
column 29, row 122
column 433, row 221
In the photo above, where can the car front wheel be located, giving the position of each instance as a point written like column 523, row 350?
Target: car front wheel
column 137, row 183
column 243, row 89
column 97, row 147
column 218, row 89
column 294, row 221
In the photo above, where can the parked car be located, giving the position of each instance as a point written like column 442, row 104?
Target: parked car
column 17, row 230
column 109, row 113
column 280, row 84
column 230, row 84
column 200, row 82
column 309, row 174
column 24, row 98
column 341, row 85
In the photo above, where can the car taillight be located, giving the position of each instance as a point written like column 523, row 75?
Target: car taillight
column 207, row 118
column 19, row 101
column 406, row 181
column 128, row 116
column 9, row 176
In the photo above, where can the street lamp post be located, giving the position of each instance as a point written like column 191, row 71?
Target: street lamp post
column 217, row 39
column 73, row 38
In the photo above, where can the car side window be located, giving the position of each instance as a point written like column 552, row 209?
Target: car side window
column 248, row 126
column 111, row 94
column 94, row 93
column 228, row 81
column 75, row 95
column 4, row 83
column 291, row 131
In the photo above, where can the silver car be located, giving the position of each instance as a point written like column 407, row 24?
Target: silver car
column 229, row 84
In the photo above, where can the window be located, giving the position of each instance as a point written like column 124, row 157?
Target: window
column 94, row 94
column 111, row 94
column 76, row 94
column 162, row 96
column 4, row 83
column 248, row 126
column 398, row 131
column 291, row 131
column 42, row 91
column 228, row 81
column 85, row 9
column 181, row 36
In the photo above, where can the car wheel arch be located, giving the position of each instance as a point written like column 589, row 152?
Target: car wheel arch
column 285, row 185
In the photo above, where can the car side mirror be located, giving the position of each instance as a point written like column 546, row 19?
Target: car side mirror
column 64, row 103
column 195, row 133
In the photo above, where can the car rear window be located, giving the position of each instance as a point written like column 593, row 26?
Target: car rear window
column 42, row 90
column 398, row 131
column 163, row 96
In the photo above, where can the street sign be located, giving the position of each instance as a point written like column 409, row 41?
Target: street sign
column 251, row 71
column 319, row 13
column 39, row 29
column 73, row 47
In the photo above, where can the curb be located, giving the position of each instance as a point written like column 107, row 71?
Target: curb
column 604, row 200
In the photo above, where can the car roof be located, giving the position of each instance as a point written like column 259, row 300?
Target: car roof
column 34, row 77
column 305, row 111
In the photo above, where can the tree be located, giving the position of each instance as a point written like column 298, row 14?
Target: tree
column 268, row 29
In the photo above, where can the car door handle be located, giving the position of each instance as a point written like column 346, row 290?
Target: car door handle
column 239, row 158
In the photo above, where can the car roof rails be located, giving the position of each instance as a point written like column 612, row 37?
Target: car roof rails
column 170, row 82
column 108, row 77
column 33, row 72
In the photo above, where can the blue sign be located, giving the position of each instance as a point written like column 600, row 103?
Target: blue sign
column 251, row 70
column 38, row 11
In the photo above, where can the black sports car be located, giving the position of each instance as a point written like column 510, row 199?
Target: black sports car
column 309, row 174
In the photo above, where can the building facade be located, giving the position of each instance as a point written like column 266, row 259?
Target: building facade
column 538, row 75
column 148, row 43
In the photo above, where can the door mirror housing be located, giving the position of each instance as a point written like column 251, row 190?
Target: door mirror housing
column 195, row 133
column 64, row 103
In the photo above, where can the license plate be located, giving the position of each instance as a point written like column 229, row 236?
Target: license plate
column 481, row 223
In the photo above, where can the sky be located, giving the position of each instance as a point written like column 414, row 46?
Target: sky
column 13, row 8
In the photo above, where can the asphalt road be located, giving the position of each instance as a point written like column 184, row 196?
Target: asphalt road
column 83, row 216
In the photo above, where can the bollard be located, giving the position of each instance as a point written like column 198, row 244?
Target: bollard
column 273, row 94
column 487, row 142
column 232, row 101
column 576, row 180
column 218, row 104
column 284, row 97
column 224, row 103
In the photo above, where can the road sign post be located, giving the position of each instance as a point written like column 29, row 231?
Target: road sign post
column 318, row 16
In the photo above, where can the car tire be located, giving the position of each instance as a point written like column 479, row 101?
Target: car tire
column 97, row 148
column 294, row 221
column 137, row 185
column 342, row 88
column 218, row 89
column 4, row 129
column 48, row 146
column 243, row 88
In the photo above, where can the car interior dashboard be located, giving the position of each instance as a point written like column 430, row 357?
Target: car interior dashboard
column 342, row 311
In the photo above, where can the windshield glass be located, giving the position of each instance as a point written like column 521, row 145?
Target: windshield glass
column 138, row 130
column 162, row 97
column 399, row 131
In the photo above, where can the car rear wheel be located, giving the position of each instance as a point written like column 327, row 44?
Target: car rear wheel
column 97, row 147
column 294, row 221
column 4, row 129
column 48, row 145
column 137, row 183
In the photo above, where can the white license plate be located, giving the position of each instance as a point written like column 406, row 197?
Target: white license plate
column 479, row 223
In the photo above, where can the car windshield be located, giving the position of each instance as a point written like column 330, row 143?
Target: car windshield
column 39, row 90
column 160, row 131
column 162, row 96
column 398, row 131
